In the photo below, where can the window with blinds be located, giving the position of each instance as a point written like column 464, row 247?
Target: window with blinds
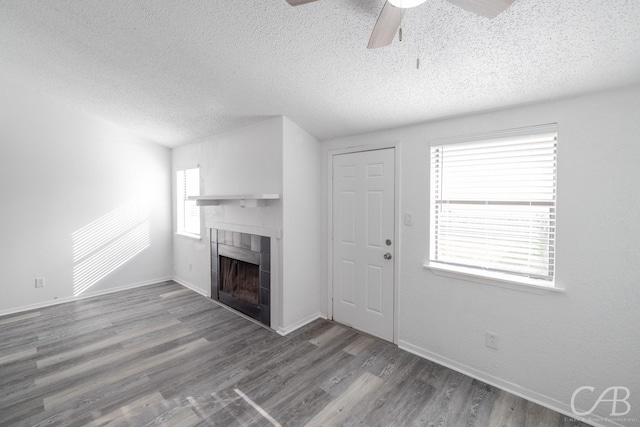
column 188, row 213
column 493, row 207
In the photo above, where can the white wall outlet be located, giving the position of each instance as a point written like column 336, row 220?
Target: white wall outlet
column 408, row 218
column 492, row 340
column 190, row 267
column 39, row 282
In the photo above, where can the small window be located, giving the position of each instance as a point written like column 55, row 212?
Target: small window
column 493, row 207
column 188, row 213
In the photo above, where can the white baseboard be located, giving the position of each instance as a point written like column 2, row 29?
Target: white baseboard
column 299, row 324
column 83, row 296
column 540, row 399
column 191, row 286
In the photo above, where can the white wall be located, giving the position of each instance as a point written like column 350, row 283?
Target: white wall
column 553, row 343
column 301, row 217
column 62, row 170
column 244, row 161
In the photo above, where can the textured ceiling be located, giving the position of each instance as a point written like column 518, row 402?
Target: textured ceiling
column 178, row 70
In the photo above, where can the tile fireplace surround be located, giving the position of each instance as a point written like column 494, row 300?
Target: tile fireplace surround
column 248, row 248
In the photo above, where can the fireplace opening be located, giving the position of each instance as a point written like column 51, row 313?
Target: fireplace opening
column 241, row 280
column 241, row 273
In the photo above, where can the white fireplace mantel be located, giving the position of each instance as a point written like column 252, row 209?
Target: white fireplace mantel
column 246, row 200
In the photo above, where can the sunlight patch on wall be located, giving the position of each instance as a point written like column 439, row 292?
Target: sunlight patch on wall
column 107, row 243
column 104, row 229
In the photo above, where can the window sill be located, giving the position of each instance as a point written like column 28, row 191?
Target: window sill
column 189, row 235
column 496, row 279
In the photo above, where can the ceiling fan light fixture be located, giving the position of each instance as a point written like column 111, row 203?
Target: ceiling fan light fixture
column 406, row 4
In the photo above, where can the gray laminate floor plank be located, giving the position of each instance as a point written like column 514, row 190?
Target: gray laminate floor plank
column 163, row 355
column 94, row 404
column 300, row 380
column 388, row 407
column 18, row 356
column 18, row 317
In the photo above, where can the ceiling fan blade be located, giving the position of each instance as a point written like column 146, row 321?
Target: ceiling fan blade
column 299, row 2
column 486, row 8
column 386, row 26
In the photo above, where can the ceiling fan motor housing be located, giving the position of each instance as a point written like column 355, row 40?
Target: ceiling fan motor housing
column 406, row 4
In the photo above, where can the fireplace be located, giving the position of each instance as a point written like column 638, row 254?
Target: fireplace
column 240, row 280
column 241, row 272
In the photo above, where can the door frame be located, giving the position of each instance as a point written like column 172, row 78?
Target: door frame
column 396, row 226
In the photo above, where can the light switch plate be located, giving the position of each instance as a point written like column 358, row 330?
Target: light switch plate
column 408, row 218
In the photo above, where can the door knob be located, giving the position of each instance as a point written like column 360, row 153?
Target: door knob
column 387, row 256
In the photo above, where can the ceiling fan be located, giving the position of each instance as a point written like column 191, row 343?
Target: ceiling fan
column 393, row 10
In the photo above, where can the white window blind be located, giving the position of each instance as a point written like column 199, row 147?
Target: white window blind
column 188, row 184
column 493, row 206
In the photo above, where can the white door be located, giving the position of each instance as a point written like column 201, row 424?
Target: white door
column 364, row 241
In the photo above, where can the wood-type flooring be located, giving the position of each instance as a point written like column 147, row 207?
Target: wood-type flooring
column 165, row 355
